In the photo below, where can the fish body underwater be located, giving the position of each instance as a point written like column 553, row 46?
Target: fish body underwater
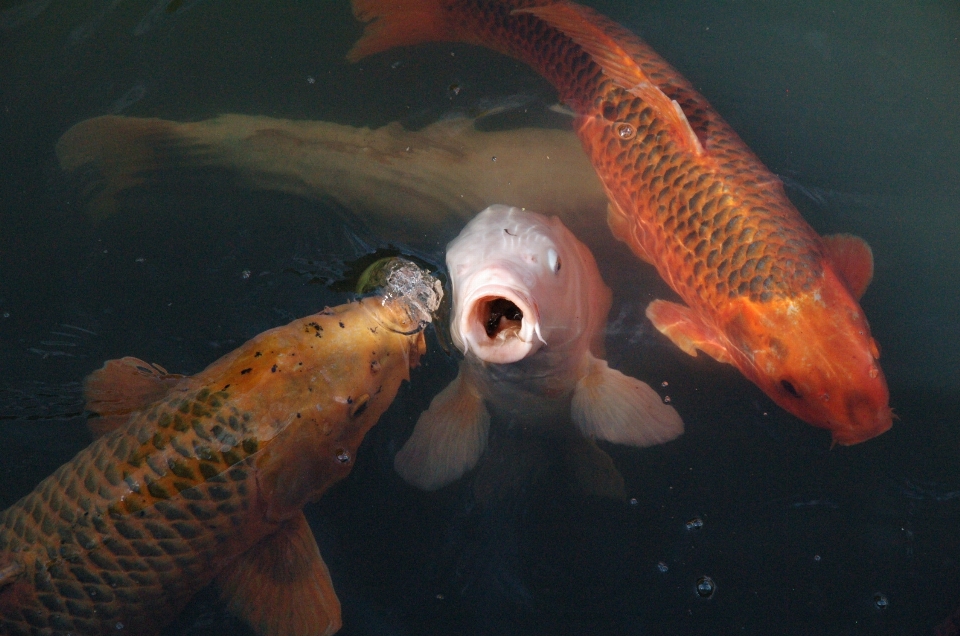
column 203, row 478
column 762, row 290
column 529, row 314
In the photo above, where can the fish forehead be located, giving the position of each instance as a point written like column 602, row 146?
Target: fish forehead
column 508, row 234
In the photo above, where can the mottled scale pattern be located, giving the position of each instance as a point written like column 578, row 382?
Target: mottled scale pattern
column 107, row 536
column 717, row 225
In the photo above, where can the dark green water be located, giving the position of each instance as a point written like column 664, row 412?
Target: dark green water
column 855, row 104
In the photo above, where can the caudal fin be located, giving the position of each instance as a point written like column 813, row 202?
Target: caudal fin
column 123, row 386
column 399, row 23
column 448, row 439
column 611, row 406
column 111, row 154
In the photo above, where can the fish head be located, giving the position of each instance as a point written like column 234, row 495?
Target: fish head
column 813, row 354
column 522, row 281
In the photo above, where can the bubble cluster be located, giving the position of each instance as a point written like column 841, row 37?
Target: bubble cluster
column 706, row 588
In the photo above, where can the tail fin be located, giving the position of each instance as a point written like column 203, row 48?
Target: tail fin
column 111, row 154
column 399, row 23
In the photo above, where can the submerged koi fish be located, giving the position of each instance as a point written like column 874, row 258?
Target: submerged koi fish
column 204, row 478
column 762, row 290
column 529, row 314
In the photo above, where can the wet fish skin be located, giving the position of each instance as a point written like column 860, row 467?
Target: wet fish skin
column 762, row 290
column 207, row 481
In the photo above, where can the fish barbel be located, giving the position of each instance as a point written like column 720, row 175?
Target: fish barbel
column 762, row 290
column 203, row 478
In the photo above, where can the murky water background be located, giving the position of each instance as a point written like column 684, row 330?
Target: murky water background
column 855, row 104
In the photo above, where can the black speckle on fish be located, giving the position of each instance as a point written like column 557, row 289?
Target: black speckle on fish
column 342, row 325
column 246, row 371
column 273, row 369
column 257, row 354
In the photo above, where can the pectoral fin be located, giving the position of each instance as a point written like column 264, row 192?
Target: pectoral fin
column 281, row 586
column 852, row 259
column 622, row 226
column 611, row 406
column 123, row 386
column 448, row 439
column 685, row 329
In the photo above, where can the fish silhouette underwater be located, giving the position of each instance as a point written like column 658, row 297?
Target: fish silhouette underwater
column 203, row 478
column 761, row 290
column 529, row 313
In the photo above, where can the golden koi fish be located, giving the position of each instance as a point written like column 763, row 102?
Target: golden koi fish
column 762, row 290
column 204, row 478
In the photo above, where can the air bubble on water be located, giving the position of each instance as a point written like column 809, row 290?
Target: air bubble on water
column 706, row 587
column 245, row 274
column 880, row 601
column 494, row 159
column 666, row 399
column 343, row 456
column 662, row 567
column 633, row 501
column 6, row 314
column 626, row 131
column 440, row 597
column 694, row 524
column 311, row 79
column 416, row 287
column 664, row 383
column 816, row 557
column 119, row 625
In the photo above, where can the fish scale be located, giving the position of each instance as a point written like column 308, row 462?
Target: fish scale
column 102, row 554
column 121, row 537
column 762, row 290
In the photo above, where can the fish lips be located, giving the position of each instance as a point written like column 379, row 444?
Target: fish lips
column 487, row 324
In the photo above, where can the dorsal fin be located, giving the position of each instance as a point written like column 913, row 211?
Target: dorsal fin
column 579, row 25
column 852, row 260
column 123, row 386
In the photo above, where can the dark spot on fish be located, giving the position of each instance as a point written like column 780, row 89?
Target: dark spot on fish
column 789, row 388
column 250, row 446
column 273, row 369
column 231, row 457
column 257, row 354
column 373, row 330
column 209, row 471
column 362, row 402
column 184, row 407
column 246, row 371
column 342, row 325
column 298, row 416
column 508, row 232
column 203, row 394
column 225, row 387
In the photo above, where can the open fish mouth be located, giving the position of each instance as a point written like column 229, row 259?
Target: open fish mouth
column 500, row 325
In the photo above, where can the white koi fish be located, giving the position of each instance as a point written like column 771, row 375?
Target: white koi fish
column 529, row 313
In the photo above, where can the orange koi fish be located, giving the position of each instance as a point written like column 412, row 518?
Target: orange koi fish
column 204, row 478
column 762, row 290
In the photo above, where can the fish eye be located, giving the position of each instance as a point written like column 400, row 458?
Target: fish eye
column 553, row 260
column 789, row 388
column 360, row 405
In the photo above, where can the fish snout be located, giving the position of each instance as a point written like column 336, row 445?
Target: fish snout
column 499, row 325
column 864, row 417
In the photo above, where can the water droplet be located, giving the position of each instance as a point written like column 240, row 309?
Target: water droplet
column 245, row 274
column 440, row 597
column 494, row 159
column 816, row 557
column 343, row 456
column 119, row 625
column 666, row 399
column 633, row 501
column 706, row 587
column 626, row 131
column 880, row 601
column 695, row 524
column 664, row 383
column 662, row 566
column 311, row 79
column 454, row 89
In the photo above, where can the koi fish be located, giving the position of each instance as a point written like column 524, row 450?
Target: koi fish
column 203, row 478
column 405, row 184
column 762, row 290
column 529, row 314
